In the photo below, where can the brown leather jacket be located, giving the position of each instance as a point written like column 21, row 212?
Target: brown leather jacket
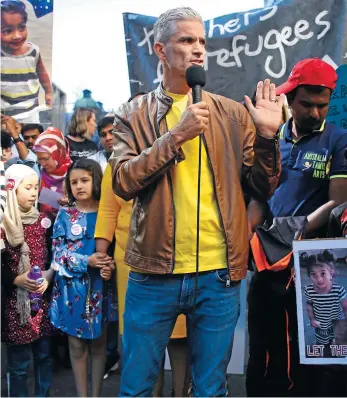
column 144, row 154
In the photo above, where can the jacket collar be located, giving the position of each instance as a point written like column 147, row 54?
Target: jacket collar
column 164, row 102
column 286, row 129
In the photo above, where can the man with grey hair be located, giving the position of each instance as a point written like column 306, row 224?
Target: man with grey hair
column 155, row 162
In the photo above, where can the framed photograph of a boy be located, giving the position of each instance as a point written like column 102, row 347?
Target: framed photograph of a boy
column 321, row 294
column 26, row 59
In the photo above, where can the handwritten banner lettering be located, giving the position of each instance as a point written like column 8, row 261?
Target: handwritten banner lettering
column 338, row 103
column 243, row 48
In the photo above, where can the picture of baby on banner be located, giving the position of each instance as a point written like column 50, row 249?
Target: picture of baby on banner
column 321, row 293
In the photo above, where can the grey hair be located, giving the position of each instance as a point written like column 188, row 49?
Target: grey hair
column 164, row 27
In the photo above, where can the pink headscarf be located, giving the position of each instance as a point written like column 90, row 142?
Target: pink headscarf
column 52, row 141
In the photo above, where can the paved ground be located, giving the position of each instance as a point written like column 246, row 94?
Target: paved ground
column 64, row 386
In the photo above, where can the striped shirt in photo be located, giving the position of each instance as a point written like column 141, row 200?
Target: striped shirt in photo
column 20, row 84
column 326, row 309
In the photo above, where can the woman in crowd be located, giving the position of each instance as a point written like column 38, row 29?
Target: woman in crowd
column 52, row 154
column 81, row 128
column 113, row 222
column 80, row 302
column 25, row 330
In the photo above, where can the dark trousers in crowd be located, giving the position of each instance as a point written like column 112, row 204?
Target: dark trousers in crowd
column 112, row 344
column 60, row 351
column 274, row 368
column 19, row 358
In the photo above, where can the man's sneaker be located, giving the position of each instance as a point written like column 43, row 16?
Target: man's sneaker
column 113, row 368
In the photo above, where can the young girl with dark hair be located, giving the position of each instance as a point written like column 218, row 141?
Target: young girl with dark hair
column 80, row 302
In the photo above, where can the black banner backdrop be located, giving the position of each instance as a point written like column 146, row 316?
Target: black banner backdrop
column 243, row 48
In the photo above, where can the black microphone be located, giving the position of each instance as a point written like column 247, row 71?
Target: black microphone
column 196, row 79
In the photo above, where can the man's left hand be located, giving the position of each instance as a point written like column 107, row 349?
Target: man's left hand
column 267, row 112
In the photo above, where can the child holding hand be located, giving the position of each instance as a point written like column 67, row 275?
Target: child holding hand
column 80, row 299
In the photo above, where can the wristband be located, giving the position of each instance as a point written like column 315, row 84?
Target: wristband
column 18, row 139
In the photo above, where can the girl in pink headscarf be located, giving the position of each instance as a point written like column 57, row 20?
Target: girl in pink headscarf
column 52, row 152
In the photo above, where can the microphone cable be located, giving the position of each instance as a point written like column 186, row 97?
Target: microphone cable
column 197, row 231
column 187, row 373
column 196, row 79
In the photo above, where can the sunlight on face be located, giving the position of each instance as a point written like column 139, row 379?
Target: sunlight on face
column 186, row 47
column 321, row 277
column 46, row 161
column 27, row 192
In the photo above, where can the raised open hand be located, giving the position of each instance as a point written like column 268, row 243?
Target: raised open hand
column 267, row 112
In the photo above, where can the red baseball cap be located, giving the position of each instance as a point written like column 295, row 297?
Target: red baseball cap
column 311, row 71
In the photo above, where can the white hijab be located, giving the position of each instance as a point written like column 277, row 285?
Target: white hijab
column 12, row 224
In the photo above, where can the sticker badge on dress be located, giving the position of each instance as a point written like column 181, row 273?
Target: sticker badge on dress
column 76, row 229
column 46, row 223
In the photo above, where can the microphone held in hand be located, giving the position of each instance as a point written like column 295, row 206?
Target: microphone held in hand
column 196, row 79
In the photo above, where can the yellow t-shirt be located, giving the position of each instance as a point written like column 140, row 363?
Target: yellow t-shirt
column 212, row 253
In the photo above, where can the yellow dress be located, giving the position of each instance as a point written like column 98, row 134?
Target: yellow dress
column 113, row 220
column 114, row 216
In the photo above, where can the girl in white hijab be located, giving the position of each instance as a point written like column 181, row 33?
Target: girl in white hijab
column 25, row 332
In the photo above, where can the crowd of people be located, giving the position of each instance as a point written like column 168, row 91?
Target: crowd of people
column 113, row 231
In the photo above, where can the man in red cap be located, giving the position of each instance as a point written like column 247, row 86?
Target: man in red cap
column 313, row 181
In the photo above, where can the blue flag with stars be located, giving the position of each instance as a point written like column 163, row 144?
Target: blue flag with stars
column 42, row 7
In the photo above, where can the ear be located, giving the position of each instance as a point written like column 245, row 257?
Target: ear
column 159, row 49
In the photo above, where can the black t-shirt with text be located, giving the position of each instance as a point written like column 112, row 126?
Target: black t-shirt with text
column 81, row 150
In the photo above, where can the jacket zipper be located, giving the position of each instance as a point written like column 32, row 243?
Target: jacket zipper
column 172, row 198
column 138, row 212
column 159, row 170
column 174, row 224
column 219, row 212
column 274, row 159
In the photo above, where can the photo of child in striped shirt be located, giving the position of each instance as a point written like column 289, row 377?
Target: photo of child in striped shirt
column 22, row 68
column 326, row 301
column 320, row 267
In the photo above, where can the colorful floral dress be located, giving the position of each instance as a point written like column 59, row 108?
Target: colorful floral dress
column 81, row 301
column 12, row 332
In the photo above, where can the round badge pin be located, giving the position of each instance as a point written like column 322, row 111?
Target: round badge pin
column 10, row 184
column 76, row 229
column 46, row 223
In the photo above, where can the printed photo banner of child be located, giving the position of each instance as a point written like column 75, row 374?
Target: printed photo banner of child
column 26, row 59
column 321, row 292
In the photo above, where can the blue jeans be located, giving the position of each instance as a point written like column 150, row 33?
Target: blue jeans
column 152, row 305
column 19, row 358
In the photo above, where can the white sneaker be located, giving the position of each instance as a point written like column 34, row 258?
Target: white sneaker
column 111, row 369
column 114, row 367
